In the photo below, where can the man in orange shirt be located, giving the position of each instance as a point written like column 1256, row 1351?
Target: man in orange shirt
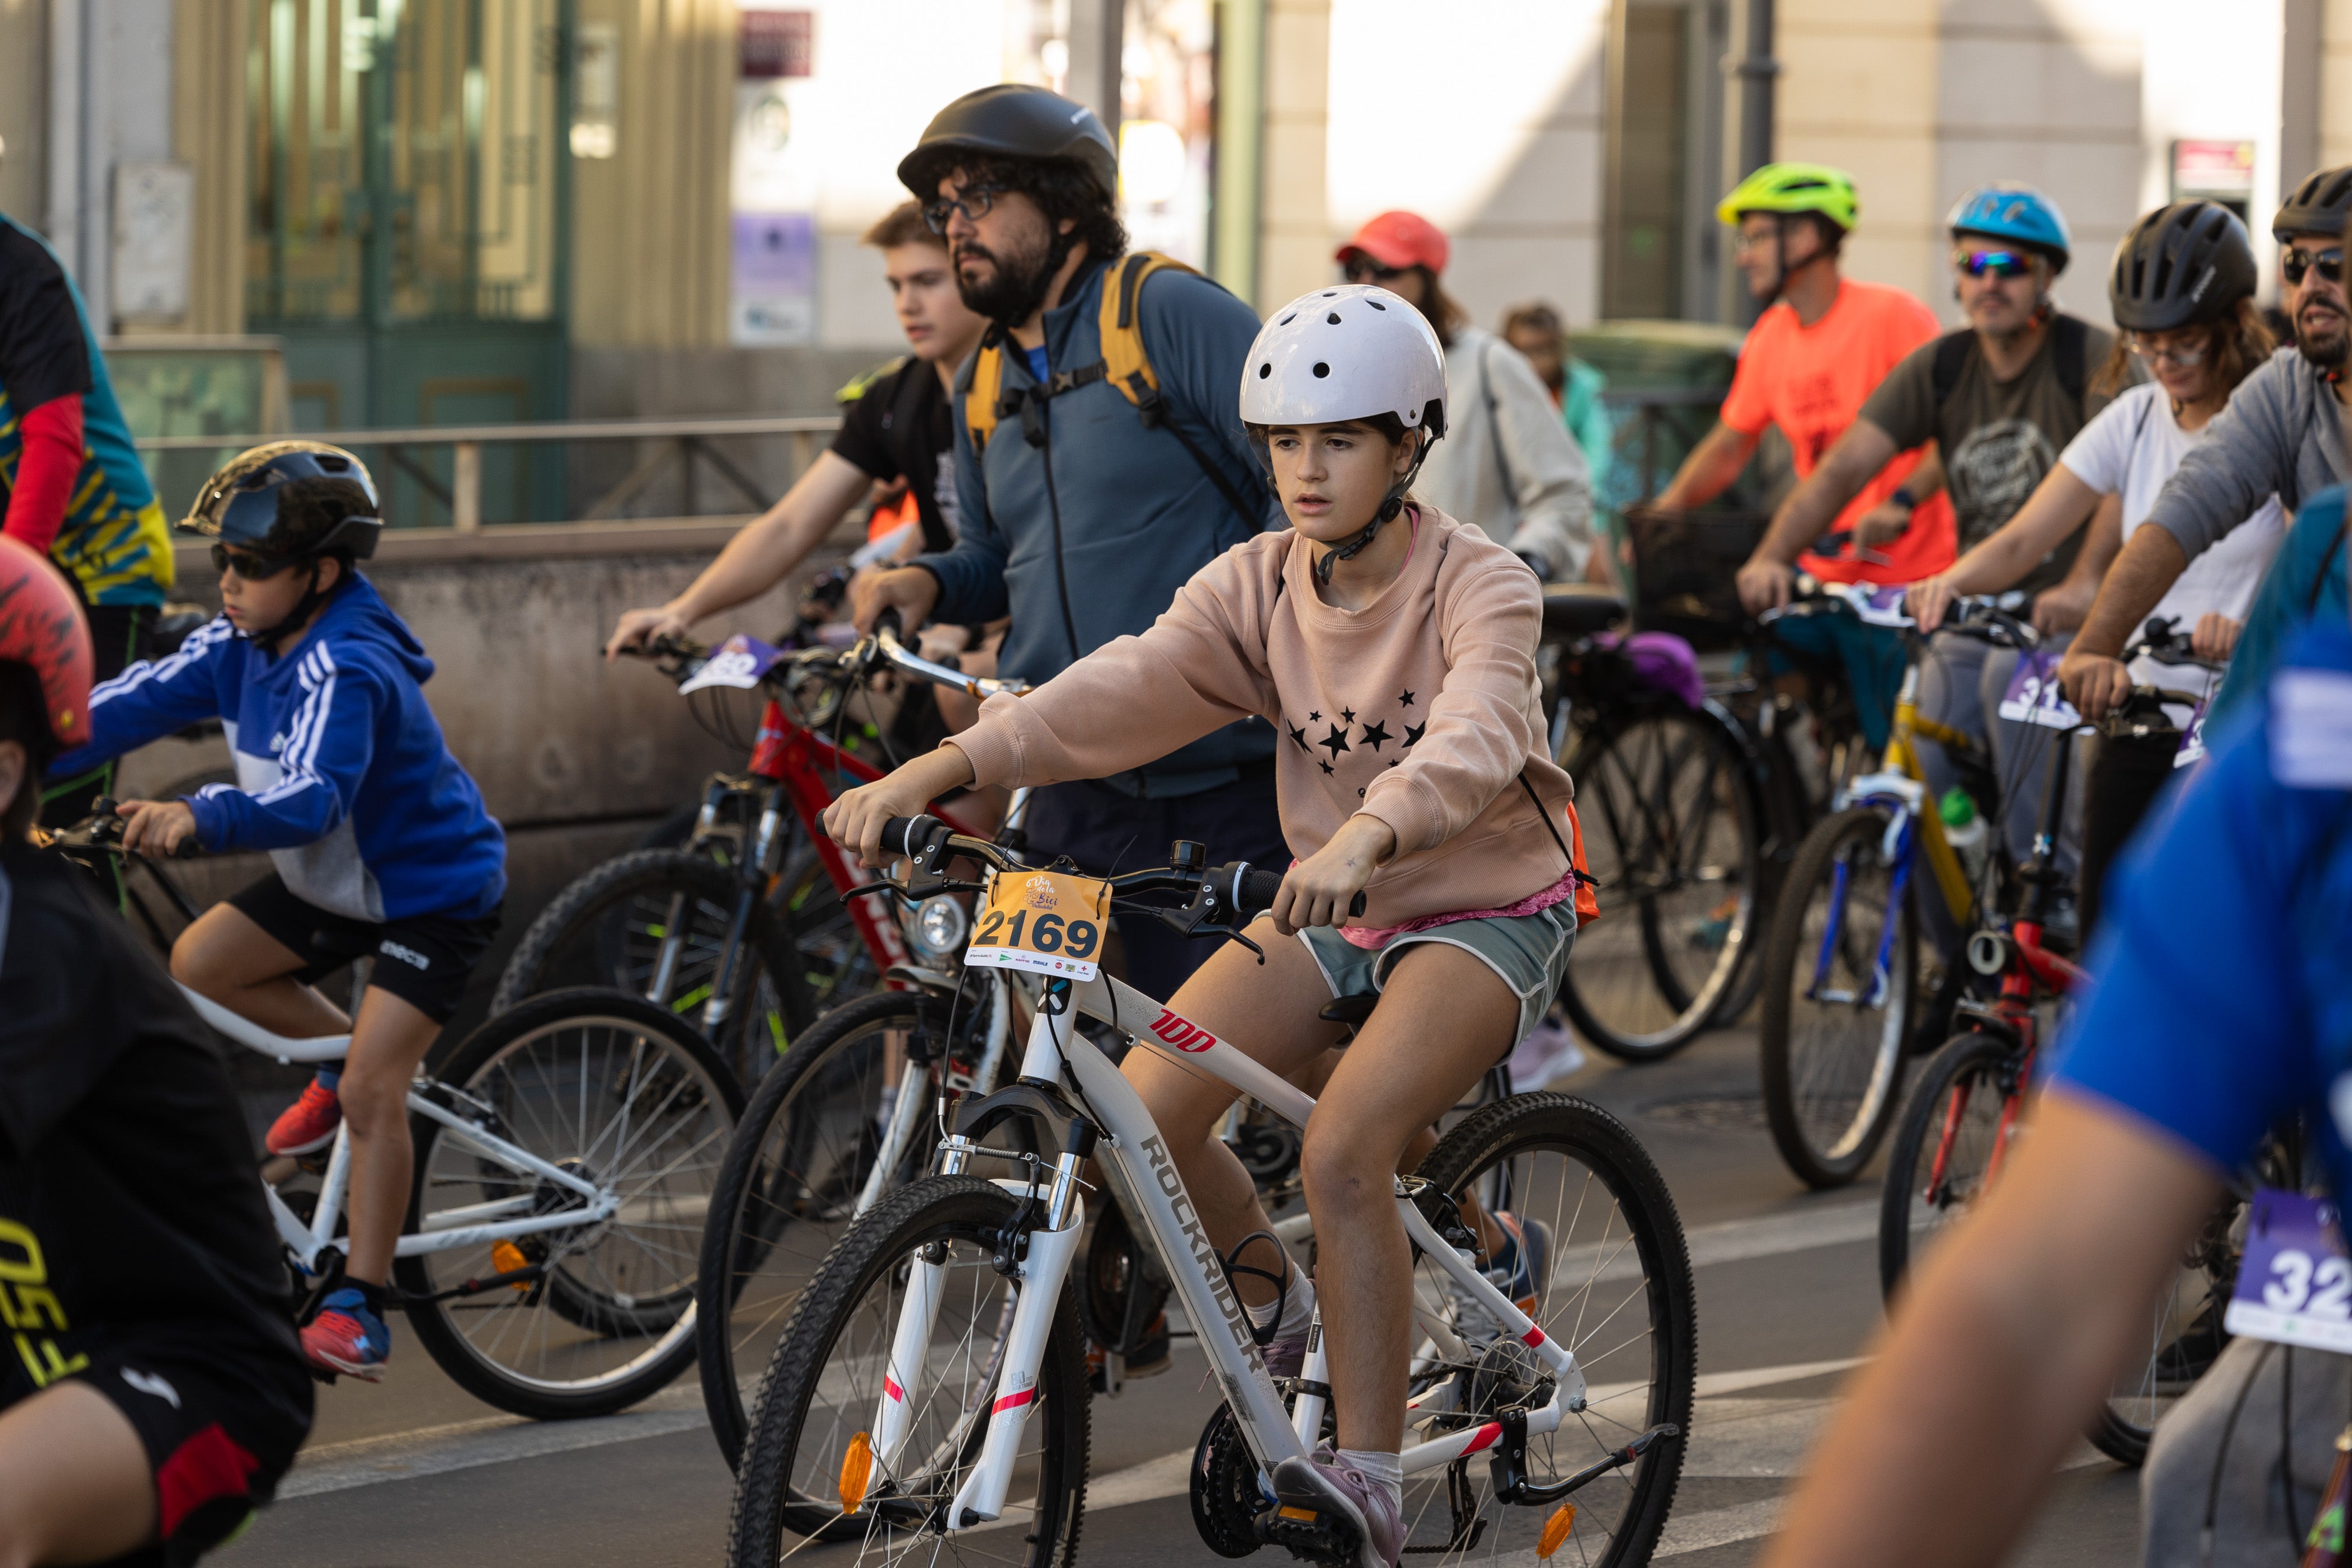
column 1821, row 348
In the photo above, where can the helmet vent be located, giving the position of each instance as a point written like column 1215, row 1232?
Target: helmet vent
column 1376, row 305
column 1331, row 294
column 1265, row 369
column 1286, row 320
column 1333, row 317
column 1321, row 370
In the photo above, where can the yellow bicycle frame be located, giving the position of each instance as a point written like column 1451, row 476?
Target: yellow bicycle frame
column 1903, row 758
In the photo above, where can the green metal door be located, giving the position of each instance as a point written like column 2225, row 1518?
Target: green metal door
column 408, row 229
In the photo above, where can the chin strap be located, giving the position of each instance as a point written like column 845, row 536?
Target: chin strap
column 304, row 607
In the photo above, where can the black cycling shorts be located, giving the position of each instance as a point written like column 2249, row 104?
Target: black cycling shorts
column 425, row 959
column 221, row 1423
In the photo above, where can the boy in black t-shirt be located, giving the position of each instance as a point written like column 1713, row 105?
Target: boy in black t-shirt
column 152, row 1390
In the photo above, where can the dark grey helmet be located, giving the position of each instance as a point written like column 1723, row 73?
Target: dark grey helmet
column 1011, row 120
column 2318, row 206
column 290, row 500
column 2180, row 265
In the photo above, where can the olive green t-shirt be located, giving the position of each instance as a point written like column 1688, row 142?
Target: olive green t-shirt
column 1998, row 438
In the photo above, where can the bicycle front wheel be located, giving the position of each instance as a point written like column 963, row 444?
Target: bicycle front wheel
column 1673, row 842
column 1840, row 982
column 1954, row 1132
column 818, row 1398
column 608, row 1089
column 799, row 1167
column 1565, row 1201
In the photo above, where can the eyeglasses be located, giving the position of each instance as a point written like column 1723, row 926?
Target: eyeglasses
column 2297, row 262
column 252, row 567
column 2187, row 359
column 1999, row 263
column 973, row 202
column 1364, row 269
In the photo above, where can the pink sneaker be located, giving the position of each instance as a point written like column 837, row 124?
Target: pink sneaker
column 347, row 1336
column 1320, row 1486
column 310, row 1123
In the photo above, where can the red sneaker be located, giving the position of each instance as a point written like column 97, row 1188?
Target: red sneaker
column 347, row 1336
column 309, row 1124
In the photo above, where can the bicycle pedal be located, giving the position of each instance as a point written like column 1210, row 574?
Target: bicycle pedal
column 1309, row 1535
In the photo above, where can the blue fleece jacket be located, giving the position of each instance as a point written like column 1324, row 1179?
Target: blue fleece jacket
column 342, row 774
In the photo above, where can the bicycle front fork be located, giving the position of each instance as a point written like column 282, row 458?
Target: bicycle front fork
column 1039, row 1260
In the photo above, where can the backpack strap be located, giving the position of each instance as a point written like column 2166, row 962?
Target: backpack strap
column 987, row 379
column 2072, row 351
column 1127, row 364
column 1951, row 359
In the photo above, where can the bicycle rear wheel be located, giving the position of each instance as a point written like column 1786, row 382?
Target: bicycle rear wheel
column 1673, row 841
column 799, row 1162
column 822, row 1386
column 1614, row 1289
column 1841, row 984
column 610, row 1089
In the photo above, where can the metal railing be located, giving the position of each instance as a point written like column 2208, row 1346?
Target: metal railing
column 680, row 443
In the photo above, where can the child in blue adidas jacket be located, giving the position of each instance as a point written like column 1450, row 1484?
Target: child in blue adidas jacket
column 381, row 844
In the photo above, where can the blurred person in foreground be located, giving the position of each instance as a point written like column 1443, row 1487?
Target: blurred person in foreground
column 1509, row 465
column 2202, row 1036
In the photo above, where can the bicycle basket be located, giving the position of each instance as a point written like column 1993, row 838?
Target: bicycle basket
column 1685, row 567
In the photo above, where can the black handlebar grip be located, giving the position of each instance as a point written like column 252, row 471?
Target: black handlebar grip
column 187, row 849
column 888, row 621
column 1252, row 891
column 1356, row 904
column 897, row 833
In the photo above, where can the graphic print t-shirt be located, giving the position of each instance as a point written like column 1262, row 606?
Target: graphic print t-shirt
column 1999, row 438
column 1812, row 382
column 128, row 1187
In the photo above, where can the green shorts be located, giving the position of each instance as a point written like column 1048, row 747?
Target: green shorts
column 1529, row 952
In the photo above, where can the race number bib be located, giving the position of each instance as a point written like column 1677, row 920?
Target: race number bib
column 2034, row 695
column 2192, row 740
column 2296, row 1284
column 1047, row 922
column 740, row 662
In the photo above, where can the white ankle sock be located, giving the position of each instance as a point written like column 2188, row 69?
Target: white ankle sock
column 1388, row 1469
column 1297, row 1309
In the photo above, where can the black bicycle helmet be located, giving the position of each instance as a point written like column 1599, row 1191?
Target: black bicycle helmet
column 2178, row 265
column 1011, row 120
column 290, row 501
column 2318, row 206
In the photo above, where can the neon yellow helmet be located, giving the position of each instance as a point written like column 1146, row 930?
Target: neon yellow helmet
column 1794, row 188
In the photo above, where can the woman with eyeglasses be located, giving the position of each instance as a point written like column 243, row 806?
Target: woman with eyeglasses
column 2182, row 289
column 1507, row 464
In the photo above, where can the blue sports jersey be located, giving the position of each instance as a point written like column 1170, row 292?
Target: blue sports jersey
column 2223, row 994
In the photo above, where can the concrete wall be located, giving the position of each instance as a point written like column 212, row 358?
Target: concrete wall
column 574, row 757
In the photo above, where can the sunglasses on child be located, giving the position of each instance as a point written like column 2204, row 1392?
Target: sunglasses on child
column 1364, row 269
column 252, row 567
column 2298, row 262
column 1998, row 263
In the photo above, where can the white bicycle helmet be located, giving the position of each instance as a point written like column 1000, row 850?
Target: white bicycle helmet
column 1350, row 351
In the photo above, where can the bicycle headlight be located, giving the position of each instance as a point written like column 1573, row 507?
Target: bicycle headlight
column 937, row 927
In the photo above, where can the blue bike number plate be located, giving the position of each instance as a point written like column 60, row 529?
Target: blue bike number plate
column 740, row 662
column 2296, row 1284
column 2034, row 695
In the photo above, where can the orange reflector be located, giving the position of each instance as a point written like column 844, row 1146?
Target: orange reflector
column 506, row 1258
column 1554, row 1530
column 1306, row 1513
column 856, row 1469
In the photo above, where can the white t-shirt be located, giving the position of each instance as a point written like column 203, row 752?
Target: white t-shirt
column 2131, row 449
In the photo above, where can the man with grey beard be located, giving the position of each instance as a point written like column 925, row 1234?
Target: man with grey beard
column 2282, row 434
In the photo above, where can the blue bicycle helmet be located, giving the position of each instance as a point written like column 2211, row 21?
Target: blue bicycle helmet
column 2017, row 214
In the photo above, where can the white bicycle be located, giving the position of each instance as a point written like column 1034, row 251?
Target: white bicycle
column 930, row 1391
column 565, row 1155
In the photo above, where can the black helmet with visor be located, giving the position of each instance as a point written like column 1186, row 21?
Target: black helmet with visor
column 289, row 504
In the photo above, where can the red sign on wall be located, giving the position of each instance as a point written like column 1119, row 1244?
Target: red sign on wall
column 776, row 43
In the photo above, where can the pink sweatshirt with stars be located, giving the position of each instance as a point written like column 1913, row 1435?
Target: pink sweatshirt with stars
column 1421, row 709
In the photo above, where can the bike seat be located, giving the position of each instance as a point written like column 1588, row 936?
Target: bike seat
column 1579, row 609
column 1350, row 1010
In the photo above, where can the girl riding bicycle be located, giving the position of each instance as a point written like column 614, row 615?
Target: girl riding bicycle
column 1394, row 649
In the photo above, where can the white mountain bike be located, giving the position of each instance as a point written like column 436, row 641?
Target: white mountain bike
column 930, row 1386
column 565, row 1155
